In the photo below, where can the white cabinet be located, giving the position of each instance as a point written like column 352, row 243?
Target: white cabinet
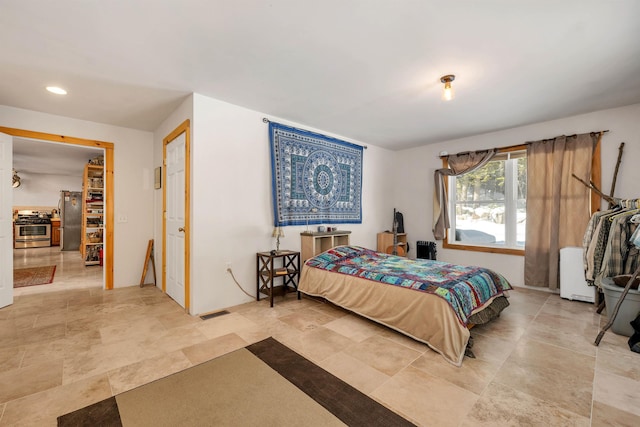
column 573, row 285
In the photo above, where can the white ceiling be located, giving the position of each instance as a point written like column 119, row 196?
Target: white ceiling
column 41, row 157
column 365, row 69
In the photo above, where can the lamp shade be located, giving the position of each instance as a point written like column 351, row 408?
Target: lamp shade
column 277, row 232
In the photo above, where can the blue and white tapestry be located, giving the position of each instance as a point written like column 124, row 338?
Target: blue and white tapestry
column 315, row 179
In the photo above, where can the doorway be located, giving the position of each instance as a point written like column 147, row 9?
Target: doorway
column 108, row 149
column 70, row 271
column 176, row 215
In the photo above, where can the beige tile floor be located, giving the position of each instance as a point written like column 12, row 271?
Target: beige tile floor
column 71, row 273
column 535, row 365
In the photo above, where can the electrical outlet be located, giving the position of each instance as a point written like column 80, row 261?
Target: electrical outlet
column 227, row 266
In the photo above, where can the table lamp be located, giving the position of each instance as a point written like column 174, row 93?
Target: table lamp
column 277, row 233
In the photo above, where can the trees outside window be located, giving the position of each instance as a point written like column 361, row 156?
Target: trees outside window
column 490, row 204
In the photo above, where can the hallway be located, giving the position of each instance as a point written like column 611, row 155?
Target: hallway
column 71, row 273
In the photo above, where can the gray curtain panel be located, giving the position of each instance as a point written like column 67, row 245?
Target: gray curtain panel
column 459, row 164
column 558, row 206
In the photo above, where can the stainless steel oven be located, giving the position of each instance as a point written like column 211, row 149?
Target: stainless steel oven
column 32, row 235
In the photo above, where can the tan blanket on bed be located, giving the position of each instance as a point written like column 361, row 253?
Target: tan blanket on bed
column 422, row 316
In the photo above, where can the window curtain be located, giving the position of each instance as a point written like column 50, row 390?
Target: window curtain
column 558, row 206
column 459, row 164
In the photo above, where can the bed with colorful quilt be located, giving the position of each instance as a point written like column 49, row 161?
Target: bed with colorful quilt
column 430, row 301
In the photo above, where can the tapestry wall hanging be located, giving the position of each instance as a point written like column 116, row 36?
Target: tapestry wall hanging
column 315, row 179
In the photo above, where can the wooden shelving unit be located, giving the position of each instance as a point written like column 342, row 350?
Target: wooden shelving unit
column 92, row 214
column 385, row 241
column 314, row 243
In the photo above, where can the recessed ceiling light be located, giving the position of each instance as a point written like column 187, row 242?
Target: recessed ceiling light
column 57, row 90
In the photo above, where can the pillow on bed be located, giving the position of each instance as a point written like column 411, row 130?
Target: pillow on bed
column 337, row 253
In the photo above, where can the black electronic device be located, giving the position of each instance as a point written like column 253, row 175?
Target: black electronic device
column 426, row 250
column 399, row 220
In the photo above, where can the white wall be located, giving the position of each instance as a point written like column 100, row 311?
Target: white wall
column 231, row 198
column 133, row 181
column 415, row 168
column 179, row 115
column 37, row 189
column 232, row 215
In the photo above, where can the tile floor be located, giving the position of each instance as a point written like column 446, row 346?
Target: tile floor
column 535, row 365
column 71, row 273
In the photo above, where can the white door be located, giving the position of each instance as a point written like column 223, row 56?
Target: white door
column 175, row 218
column 6, row 220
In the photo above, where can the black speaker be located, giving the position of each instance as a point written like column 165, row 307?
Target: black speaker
column 426, row 250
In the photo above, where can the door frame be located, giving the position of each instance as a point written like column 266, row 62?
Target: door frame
column 184, row 127
column 108, row 175
column 7, row 230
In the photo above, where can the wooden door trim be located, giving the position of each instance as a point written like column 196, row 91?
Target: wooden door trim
column 108, row 172
column 184, row 127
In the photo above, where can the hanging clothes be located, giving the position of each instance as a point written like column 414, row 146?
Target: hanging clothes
column 607, row 249
column 617, row 248
column 595, row 241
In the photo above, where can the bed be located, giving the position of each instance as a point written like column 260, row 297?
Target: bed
column 430, row 301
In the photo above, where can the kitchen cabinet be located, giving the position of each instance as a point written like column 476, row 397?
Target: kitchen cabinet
column 92, row 214
column 55, row 232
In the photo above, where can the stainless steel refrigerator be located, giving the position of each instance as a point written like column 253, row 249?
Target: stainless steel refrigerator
column 70, row 220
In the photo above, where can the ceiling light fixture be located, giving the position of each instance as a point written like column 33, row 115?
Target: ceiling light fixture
column 57, row 90
column 447, row 92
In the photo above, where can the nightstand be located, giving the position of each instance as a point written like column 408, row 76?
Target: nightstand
column 273, row 265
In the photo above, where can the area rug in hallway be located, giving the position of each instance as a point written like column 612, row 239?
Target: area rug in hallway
column 264, row 384
column 33, row 276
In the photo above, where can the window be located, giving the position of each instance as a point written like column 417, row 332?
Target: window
column 490, row 205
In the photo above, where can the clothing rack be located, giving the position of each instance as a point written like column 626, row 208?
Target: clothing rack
column 631, row 206
column 627, row 203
